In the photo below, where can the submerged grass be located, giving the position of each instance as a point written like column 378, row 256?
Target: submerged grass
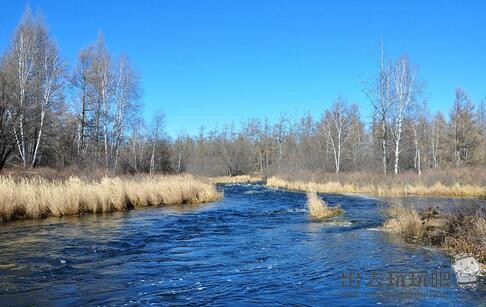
column 460, row 232
column 30, row 198
column 456, row 184
column 318, row 209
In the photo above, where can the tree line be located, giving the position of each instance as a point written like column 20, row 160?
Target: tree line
column 88, row 116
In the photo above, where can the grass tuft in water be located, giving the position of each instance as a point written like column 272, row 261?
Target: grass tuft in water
column 404, row 221
column 318, row 209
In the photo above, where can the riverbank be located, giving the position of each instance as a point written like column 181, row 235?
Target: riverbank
column 452, row 183
column 37, row 197
column 235, row 179
column 265, row 233
column 456, row 233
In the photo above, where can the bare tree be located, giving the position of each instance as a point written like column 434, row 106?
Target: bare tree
column 357, row 142
column 156, row 133
column 179, row 146
column 103, row 84
column 81, row 80
column 379, row 94
column 8, row 116
column 418, row 127
column 51, row 76
column 338, row 125
column 126, row 95
column 464, row 129
column 21, row 59
column 481, row 118
column 438, row 138
column 280, row 132
column 404, row 78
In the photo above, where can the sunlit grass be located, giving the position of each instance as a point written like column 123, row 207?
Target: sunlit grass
column 468, row 236
column 381, row 188
column 30, row 198
column 318, row 209
column 235, row 179
column 404, row 221
column 456, row 233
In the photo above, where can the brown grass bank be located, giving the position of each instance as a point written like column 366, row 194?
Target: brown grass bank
column 455, row 233
column 235, row 179
column 30, row 198
column 318, row 209
column 451, row 183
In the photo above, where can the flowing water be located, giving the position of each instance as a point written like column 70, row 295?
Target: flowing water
column 257, row 246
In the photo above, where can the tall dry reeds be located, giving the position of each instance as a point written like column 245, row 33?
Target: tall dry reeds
column 455, row 183
column 318, row 209
column 30, row 198
column 404, row 221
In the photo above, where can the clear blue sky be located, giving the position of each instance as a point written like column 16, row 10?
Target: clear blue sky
column 211, row 62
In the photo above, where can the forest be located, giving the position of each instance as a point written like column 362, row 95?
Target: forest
column 87, row 116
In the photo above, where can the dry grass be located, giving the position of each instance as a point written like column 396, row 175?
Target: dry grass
column 56, row 174
column 468, row 236
column 457, row 233
column 404, row 221
column 30, row 198
column 318, row 209
column 328, row 187
column 453, row 182
column 235, row 179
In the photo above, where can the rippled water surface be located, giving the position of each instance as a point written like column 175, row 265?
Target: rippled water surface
column 255, row 246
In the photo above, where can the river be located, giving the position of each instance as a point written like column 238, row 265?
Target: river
column 257, row 246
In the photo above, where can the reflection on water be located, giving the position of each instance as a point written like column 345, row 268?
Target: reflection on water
column 255, row 246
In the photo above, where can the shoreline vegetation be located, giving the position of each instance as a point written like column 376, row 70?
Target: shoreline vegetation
column 38, row 197
column 459, row 232
column 318, row 208
column 466, row 183
column 235, row 179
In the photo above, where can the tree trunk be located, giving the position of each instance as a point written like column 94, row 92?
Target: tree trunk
column 383, row 145
column 39, row 136
column 397, row 145
column 419, row 167
column 152, row 160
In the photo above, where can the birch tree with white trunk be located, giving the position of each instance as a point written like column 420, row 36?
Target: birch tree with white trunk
column 126, row 95
column 405, row 90
column 379, row 94
column 103, row 82
column 22, row 59
column 338, row 125
column 51, row 77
